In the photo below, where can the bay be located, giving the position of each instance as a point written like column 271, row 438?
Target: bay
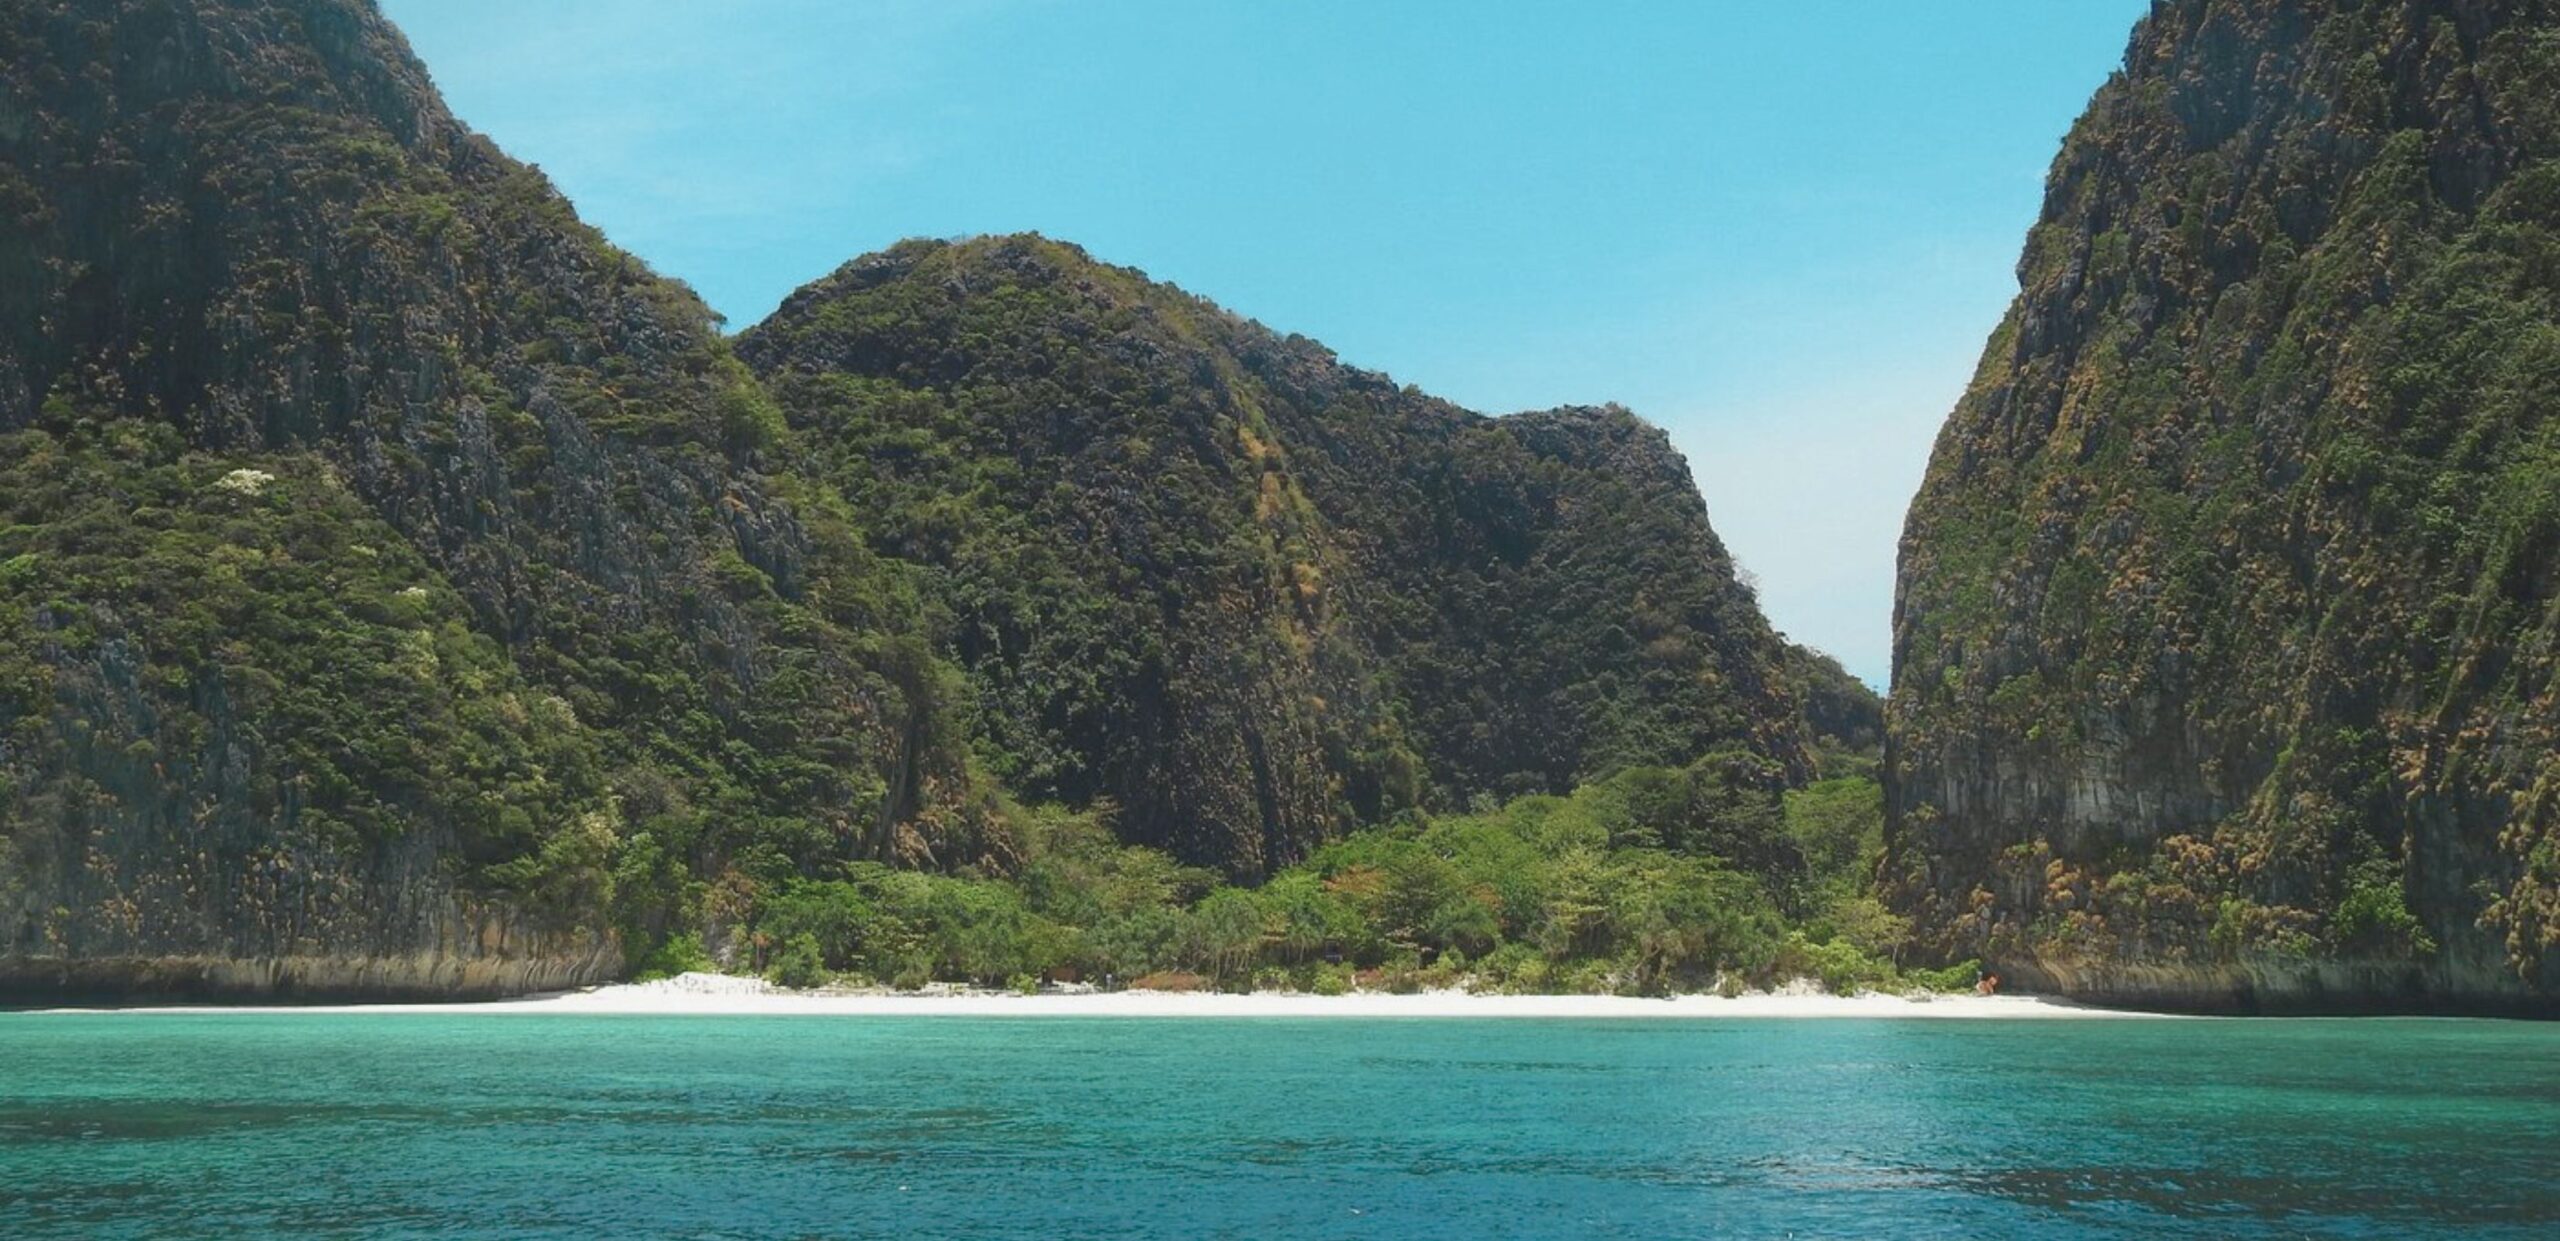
column 277, row 1123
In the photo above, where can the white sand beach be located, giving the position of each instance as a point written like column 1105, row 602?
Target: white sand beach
column 727, row 995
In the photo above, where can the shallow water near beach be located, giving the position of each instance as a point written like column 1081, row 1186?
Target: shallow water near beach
column 296, row 1124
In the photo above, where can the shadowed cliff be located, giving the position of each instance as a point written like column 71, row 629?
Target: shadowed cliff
column 1250, row 594
column 381, row 545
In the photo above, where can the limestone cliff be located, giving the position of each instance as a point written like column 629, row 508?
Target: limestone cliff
column 384, row 548
column 405, row 592
column 2229, row 611
column 1251, row 594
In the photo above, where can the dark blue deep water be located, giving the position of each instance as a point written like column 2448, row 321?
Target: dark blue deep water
column 285, row 1124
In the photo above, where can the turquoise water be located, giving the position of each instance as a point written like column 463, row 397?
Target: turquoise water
column 286, row 1124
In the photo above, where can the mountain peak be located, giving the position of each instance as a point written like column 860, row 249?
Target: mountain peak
column 1351, row 582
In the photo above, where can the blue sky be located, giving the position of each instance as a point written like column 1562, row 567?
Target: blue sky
column 1781, row 231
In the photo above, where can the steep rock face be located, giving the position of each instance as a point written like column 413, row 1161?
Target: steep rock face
column 1842, row 716
column 426, row 556
column 1248, row 593
column 2226, row 635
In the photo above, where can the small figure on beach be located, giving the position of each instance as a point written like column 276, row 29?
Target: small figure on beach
column 1990, row 985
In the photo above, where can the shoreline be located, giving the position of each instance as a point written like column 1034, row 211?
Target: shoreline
column 719, row 995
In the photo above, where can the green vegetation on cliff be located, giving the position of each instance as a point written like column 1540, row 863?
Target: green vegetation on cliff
column 201, row 590
column 248, row 237
column 1246, row 592
column 2230, row 609
column 404, row 590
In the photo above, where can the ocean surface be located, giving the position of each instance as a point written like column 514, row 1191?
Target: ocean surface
column 522, row 1125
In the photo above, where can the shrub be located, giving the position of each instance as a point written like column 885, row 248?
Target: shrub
column 676, row 954
column 2373, row 919
column 1959, row 977
column 1839, row 966
column 798, row 965
column 835, row 915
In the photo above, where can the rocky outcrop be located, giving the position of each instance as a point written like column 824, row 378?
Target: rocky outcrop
column 1844, row 718
column 529, row 591
column 2285, row 986
column 452, row 949
column 403, row 591
column 2229, row 614
column 1248, row 594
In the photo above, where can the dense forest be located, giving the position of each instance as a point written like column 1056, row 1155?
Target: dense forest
column 2229, row 611
column 403, row 591
column 1650, row 882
